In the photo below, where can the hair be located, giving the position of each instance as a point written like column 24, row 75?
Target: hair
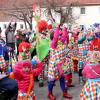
column 27, row 63
column 25, row 44
column 20, row 65
column 51, row 35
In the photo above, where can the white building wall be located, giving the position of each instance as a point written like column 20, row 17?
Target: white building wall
column 91, row 16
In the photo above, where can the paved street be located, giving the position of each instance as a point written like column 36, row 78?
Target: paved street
column 41, row 93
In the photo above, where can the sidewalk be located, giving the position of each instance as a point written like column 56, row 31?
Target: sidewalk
column 41, row 93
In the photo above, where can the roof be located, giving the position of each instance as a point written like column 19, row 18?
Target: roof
column 67, row 2
column 10, row 4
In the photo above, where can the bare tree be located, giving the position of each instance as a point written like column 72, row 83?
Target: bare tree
column 61, row 7
column 52, row 8
column 24, row 13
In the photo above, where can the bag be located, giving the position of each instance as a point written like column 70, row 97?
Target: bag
column 3, row 67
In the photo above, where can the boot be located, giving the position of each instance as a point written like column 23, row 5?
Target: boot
column 51, row 96
column 41, row 84
column 71, row 85
column 66, row 95
column 34, row 98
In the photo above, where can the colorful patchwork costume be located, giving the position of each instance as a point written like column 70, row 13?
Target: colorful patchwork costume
column 91, row 89
column 57, row 62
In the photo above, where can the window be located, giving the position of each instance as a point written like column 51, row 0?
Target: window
column 82, row 10
column 4, row 26
column 99, row 9
column 70, row 10
column 21, row 26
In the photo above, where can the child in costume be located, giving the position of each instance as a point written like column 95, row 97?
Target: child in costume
column 25, row 74
column 24, row 48
column 91, row 89
column 57, row 63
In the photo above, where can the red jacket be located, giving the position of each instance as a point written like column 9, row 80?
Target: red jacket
column 24, row 78
column 95, row 43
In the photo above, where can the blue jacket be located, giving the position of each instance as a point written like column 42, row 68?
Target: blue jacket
column 4, row 51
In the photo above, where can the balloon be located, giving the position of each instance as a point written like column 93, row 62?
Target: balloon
column 9, row 69
column 34, row 62
column 42, row 49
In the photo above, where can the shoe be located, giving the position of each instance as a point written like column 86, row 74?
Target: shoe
column 51, row 96
column 41, row 84
column 66, row 95
column 71, row 85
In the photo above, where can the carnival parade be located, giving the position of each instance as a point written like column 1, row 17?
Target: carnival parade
column 51, row 53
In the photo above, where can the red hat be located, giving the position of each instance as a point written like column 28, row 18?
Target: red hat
column 42, row 25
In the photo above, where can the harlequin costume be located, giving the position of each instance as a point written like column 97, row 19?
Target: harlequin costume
column 57, row 63
column 25, row 74
column 75, row 58
column 74, row 47
column 68, row 75
column 91, row 89
column 83, row 47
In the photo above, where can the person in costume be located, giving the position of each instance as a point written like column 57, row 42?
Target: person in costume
column 25, row 74
column 24, row 52
column 69, row 67
column 91, row 89
column 74, row 47
column 68, row 76
column 44, row 35
column 83, row 47
column 74, row 57
column 4, row 57
column 95, row 43
column 57, row 63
